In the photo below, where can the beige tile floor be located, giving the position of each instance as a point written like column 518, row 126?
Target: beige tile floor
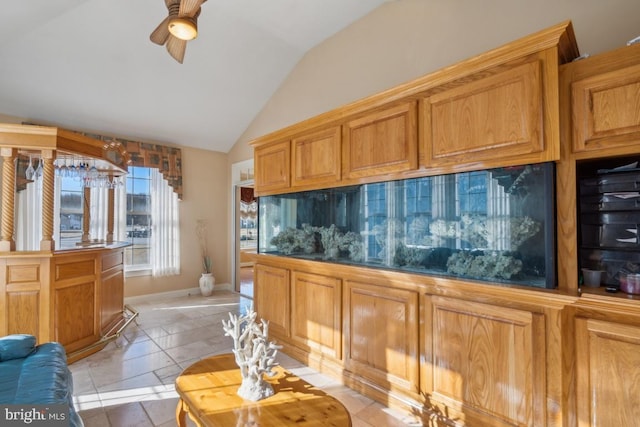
column 131, row 381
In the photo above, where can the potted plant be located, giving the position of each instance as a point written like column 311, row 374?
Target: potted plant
column 207, row 281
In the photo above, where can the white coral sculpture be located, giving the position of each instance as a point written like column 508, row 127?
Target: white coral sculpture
column 254, row 355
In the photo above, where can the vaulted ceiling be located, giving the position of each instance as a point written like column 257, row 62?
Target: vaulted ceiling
column 89, row 64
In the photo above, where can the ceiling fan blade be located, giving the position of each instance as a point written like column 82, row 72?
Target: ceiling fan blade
column 160, row 34
column 189, row 7
column 176, row 48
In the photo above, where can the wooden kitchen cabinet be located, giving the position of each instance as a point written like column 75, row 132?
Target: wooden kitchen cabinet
column 273, row 298
column 381, row 142
column 381, row 334
column 486, row 359
column 272, row 165
column 450, row 348
column 605, row 101
column 607, row 356
column 498, row 116
column 316, row 313
column 316, row 159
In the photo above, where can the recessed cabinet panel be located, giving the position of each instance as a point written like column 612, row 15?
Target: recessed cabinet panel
column 381, row 142
column 608, row 387
column 606, row 110
column 489, row 359
column 75, row 315
column 111, row 306
column 272, row 297
column 382, row 327
column 316, row 313
column 272, row 167
column 316, row 158
column 22, row 312
column 497, row 116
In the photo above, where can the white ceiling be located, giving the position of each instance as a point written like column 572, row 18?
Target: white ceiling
column 89, row 64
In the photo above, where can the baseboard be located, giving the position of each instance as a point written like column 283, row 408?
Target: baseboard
column 188, row 292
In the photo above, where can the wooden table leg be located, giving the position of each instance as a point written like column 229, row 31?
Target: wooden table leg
column 181, row 414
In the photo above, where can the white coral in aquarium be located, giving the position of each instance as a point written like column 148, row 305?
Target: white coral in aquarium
column 482, row 232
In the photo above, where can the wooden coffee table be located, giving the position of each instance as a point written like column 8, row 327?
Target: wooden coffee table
column 207, row 391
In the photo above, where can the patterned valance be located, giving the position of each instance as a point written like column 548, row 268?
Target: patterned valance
column 167, row 159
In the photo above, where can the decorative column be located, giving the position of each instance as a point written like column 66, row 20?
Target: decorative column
column 7, row 243
column 110, row 210
column 86, row 214
column 48, row 181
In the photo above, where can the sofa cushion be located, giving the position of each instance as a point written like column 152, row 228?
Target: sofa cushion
column 16, row 346
column 41, row 376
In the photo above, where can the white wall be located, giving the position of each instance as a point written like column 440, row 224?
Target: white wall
column 404, row 39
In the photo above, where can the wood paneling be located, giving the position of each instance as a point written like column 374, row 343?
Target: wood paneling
column 606, row 110
column 608, row 378
column 23, row 312
column 316, row 313
column 75, row 315
column 272, row 167
column 23, row 273
column 499, row 115
column 383, row 141
column 72, row 267
column 112, row 259
column 316, row 158
column 111, row 290
column 381, row 324
column 272, row 298
column 489, row 360
column 111, row 301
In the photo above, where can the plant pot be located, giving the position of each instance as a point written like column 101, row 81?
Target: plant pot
column 207, row 282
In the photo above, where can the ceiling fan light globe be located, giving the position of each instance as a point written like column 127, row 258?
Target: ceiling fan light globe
column 184, row 29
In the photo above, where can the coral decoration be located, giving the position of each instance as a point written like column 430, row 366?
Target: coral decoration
column 254, row 355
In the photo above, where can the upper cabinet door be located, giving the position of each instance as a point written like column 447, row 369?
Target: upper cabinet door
column 486, row 119
column 606, row 110
column 381, row 142
column 272, row 168
column 316, row 158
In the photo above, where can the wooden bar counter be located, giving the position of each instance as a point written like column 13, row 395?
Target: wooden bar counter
column 207, row 391
column 66, row 291
column 73, row 296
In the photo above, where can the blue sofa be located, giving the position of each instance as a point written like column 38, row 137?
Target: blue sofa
column 35, row 374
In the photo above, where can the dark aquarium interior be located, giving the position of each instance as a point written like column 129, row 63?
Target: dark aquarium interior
column 493, row 225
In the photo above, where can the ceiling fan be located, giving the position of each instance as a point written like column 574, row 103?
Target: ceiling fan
column 180, row 26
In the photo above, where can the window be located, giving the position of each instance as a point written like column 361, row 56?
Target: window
column 133, row 211
column 71, row 198
column 138, row 219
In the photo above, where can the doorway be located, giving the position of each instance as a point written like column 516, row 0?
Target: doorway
column 247, row 223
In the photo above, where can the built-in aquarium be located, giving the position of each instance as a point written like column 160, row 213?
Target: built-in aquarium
column 494, row 225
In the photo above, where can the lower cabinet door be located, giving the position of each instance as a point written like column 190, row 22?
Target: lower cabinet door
column 381, row 327
column 316, row 313
column 271, row 296
column 485, row 361
column 607, row 379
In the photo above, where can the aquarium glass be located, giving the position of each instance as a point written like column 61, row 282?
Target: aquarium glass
column 493, row 225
